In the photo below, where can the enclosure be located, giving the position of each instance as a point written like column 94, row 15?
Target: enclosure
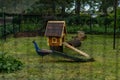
column 23, row 21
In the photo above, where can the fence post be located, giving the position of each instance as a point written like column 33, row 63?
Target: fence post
column 115, row 16
column 4, row 25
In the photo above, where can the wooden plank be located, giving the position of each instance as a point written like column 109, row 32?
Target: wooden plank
column 75, row 49
column 56, row 22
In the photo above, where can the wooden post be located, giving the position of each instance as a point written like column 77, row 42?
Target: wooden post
column 4, row 29
column 115, row 24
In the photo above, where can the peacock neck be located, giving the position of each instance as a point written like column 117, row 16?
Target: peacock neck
column 36, row 46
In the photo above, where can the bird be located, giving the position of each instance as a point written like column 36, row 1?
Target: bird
column 41, row 52
column 44, row 52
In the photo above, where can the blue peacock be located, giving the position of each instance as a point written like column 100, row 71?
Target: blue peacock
column 41, row 52
column 44, row 52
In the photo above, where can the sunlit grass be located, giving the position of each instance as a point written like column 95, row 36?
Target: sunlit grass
column 98, row 46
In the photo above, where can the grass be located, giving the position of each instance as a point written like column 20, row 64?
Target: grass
column 105, row 67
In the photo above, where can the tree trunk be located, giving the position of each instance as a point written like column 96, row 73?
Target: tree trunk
column 53, row 8
column 105, row 10
column 104, row 7
column 63, row 10
column 77, row 7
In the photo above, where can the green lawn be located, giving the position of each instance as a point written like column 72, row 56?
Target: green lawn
column 104, row 67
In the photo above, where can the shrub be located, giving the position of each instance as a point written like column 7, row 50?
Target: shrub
column 9, row 30
column 73, row 29
column 9, row 64
column 77, row 19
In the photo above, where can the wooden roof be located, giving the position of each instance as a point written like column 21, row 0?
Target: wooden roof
column 55, row 28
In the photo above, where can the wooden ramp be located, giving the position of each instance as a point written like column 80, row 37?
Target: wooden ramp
column 77, row 50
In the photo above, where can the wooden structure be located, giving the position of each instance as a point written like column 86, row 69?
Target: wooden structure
column 75, row 42
column 75, row 49
column 55, row 33
column 80, row 36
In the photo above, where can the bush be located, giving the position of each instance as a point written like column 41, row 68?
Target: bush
column 73, row 29
column 9, row 29
column 31, row 25
column 9, row 64
column 78, row 19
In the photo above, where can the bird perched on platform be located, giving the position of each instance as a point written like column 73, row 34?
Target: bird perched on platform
column 41, row 52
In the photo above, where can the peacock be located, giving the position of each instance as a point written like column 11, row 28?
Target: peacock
column 44, row 52
column 41, row 52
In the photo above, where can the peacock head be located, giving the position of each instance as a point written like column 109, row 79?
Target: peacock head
column 36, row 46
column 33, row 41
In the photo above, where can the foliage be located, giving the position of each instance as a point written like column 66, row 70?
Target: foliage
column 31, row 24
column 51, row 7
column 9, row 30
column 0, row 31
column 73, row 29
column 104, row 20
column 78, row 19
column 54, row 7
column 9, row 64
column 29, row 27
column 105, row 5
column 15, row 6
column 96, row 29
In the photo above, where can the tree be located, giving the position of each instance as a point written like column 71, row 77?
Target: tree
column 104, row 5
column 63, row 5
column 77, row 6
column 51, row 7
column 12, row 6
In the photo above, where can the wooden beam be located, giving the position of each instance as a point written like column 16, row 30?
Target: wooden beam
column 75, row 49
column 56, row 22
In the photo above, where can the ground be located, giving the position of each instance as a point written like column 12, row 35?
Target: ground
column 105, row 66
